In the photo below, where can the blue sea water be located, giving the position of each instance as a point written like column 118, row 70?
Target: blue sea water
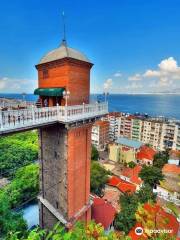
column 155, row 105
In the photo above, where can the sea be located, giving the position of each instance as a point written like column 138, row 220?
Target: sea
column 167, row 105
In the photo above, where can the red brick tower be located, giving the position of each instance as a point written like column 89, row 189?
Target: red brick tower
column 64, row 148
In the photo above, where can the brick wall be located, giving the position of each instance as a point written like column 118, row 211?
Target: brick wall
column 78, row 168
column 72, row 74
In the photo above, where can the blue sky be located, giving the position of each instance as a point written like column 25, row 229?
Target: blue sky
column 134, row 44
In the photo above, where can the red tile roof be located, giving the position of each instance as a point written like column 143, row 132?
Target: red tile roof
column 146, row 153
column 122, row 185
column 171, row 168
column 103, row 212
column 133, row 174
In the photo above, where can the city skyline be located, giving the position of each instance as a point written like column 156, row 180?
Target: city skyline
column 133, row 44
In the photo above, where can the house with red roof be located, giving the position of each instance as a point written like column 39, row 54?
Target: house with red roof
column 103, row 212
column 131, row 175
column 145, row 155
column 122, row 185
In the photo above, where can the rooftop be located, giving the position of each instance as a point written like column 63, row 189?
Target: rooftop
column 171, row 168
column 103, row 212
column 133, row 174
column 122, row 185
column 63, row 52
column 146, row 153
column 129, row 142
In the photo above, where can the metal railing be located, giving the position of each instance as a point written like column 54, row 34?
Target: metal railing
column 13, row 119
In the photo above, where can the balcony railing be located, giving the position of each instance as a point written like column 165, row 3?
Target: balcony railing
column 13, row 119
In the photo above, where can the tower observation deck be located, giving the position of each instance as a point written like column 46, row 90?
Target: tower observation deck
column 26, row 119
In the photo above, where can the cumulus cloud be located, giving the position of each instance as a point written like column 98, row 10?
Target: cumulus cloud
column 117, row 74
column 13, row 85
column 108, row 84
column 168, row 70
column 136, row 77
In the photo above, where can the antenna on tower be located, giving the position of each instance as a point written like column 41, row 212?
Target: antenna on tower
column 64, row 29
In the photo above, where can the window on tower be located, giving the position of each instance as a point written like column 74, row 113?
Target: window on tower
column 45, row 73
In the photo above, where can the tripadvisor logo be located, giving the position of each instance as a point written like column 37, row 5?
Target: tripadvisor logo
column 139, row 231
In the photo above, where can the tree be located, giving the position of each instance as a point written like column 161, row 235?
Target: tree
column 152, row 219
column 24, row 186
column 146, row 194
column 160, row 159
column 125, row 219
column 90, row 232
column 10, row 221
column 99, row 177
column 151, row 175
column 131, row 164
column 16, row 151
column 94, row 153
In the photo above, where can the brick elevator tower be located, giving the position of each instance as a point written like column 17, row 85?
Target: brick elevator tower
column 64, row 148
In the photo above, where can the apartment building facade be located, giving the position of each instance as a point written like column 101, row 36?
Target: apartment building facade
column 114, row 119
column 159, row 133
column 100, row 134
column 152, row 133
column 136, row 129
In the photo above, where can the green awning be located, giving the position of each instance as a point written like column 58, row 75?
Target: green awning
column 50, row 92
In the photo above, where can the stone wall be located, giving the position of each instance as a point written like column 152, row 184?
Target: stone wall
column 53, row 167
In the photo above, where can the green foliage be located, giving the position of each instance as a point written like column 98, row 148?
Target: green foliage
column 173, row 208
column 94, row 153
column 131, row 164
column 10, row 221
column 90, row 232
column 99, row 177
column 23, row 187
column 146, row 194
column 17, row 150
column 126, row 219
column 160, row 159
column 151, row 175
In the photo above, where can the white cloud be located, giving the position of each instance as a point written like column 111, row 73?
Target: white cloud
column 136, row 77
column 13, row 85
column 168, row 70
column 108, row 84
column 117, row 74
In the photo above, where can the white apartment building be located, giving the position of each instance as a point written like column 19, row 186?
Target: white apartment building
column 114, row 120
column 160, row 133
column 178, row 137
column 169, row 136
column 151, row 133
column 125, row 126
column 100, row 134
